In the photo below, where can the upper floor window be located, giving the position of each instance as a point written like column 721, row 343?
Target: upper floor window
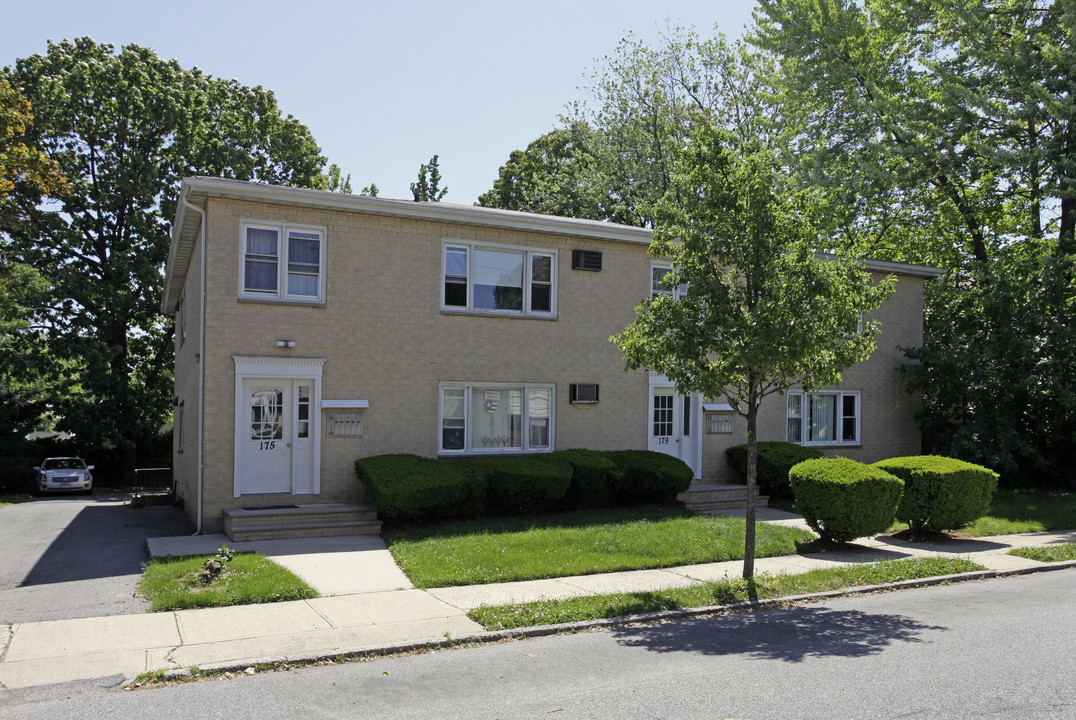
column 282, row 262
column 659, row 284
column 494, row 279
column 822, row 418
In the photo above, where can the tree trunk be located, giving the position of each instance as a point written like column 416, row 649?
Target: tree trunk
column 749, row 513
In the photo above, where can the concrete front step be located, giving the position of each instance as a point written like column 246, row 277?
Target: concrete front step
column 304, row 530
column 278, row 523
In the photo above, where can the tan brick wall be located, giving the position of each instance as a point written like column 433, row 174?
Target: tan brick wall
column 386, row 340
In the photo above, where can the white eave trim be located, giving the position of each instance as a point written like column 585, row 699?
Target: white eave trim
column 716, row 407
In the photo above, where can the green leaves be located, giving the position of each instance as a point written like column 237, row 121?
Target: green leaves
column 125, row 128
column 762, row 311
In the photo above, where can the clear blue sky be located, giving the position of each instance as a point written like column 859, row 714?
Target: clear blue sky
column 385, row 85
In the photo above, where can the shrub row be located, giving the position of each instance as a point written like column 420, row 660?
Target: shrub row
column 842, row 499
column 410, row 488
column 775, row 459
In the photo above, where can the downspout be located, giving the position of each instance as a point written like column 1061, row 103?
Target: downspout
column 201, row 355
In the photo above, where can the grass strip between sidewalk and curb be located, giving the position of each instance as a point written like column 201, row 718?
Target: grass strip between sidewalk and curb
column 176, row 583
column 228, row 670
column 513, row 549
column 1047, row 553
column 727, row 592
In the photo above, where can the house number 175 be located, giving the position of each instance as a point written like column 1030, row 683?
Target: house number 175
column 267, row 445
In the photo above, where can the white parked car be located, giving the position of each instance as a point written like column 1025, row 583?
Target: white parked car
column 64, row 474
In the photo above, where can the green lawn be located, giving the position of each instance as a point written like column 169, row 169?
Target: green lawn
column 578, row 543
column 173, row 583
column 1022, row 511
column 551, row 612
column 1050, row 553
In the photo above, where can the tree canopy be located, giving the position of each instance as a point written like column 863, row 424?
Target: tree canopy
column 945, row 132
column 761, row 311
column 124, row 128
column 931, row 132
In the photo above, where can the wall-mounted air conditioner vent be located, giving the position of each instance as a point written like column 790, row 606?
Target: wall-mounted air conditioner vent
column 583, row 393
column 587, row 260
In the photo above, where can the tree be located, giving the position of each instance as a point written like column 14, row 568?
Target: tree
column 19, row 162
column 124, row 129
column 429, row 181
column 334, row 180
column 762, row 312
column 947, row 131
column 611, row 159
column 555, row 175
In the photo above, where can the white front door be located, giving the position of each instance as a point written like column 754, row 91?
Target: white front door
column 276, row 445
column 277, row 425
column 673, row 425
column 266, row 444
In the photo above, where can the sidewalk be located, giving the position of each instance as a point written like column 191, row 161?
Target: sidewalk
column 368, row 605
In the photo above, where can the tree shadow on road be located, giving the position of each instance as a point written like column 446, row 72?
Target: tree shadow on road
column 792, row 635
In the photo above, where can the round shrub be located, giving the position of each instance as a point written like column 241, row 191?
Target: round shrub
column 775, row 459
column 941, row 493
column 842, row 499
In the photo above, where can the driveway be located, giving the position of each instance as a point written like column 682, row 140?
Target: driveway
column 73, row 557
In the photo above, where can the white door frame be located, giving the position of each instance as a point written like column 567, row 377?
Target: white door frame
column 687, row 448
column 277, row 368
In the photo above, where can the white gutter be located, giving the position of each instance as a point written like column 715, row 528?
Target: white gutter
column 201, row 358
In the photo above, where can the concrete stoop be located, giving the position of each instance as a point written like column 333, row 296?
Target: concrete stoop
column 707, row 498
column 300, row 521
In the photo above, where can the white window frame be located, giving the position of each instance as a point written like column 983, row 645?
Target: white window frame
column 283, row 231
column 675, row 293
column 529, row 253
column 804, row 417
column 468, row 389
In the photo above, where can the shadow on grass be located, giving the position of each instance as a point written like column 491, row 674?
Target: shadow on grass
column 789, row 635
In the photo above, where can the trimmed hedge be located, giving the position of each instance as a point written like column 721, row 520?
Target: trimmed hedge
column 941, row 493
column 595, row 478
column 411, row 487
column 842, row 499
column 650, row 476
column 775, row 459
column 414, row 488
column 517, row 485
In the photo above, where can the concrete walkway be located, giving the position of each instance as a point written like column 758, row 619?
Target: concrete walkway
column 367, row 605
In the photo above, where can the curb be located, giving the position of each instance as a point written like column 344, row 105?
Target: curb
column 496, row 636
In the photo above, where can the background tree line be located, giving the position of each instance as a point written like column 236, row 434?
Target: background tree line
column 931, row 132
column 927, row 131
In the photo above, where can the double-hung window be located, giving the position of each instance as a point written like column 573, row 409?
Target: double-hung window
column 659, row 284
column 502, row 280
column 282, row 262
column 497, row 417
column 823, row 418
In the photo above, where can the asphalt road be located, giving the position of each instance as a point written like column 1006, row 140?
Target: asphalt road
column 999, row 648
column 70, row 557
